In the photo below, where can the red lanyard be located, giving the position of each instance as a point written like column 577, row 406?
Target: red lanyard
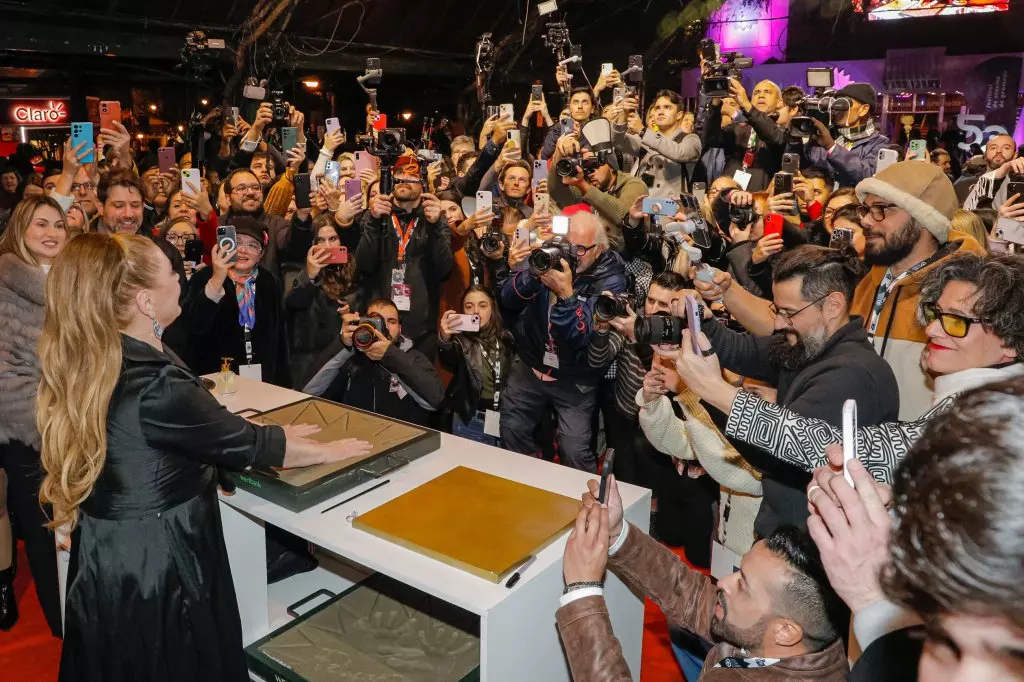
column 403, row 237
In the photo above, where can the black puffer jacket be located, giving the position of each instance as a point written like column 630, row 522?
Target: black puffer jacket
column 463, row 357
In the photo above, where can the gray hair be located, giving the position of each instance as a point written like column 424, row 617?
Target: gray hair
column 584, row 219
column 1000, row 283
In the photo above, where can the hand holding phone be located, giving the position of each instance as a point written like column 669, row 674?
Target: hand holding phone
column 227, row 240
column 339, row 255
column 165, row 157
column 662, row 207
column 467, row 323
column 607, row 469
column 485, row 202
column 693, row 322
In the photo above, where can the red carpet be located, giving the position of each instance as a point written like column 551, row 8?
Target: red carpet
column 28, row 653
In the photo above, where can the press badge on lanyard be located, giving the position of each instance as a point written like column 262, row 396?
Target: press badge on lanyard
column 492, row 418
column 401, row 293
column 250, row 370
column 742, row 177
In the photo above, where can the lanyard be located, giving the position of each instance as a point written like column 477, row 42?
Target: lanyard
column 748, row 156
column 247, row 333
column 888, row 283
column 495, row 365
column 403, row 237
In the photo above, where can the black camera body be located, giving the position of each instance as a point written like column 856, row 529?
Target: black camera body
column 609, row 306
column 387, row 147
column 492, row 242
column 825, row 109
column 278, row 107
column 742, row 215
column 658, row 329
column 720, row 68
column 363, row 336
column 567, row 167
column 551, row 253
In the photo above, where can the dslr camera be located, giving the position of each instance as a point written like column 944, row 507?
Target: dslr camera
column 659, row 328
column 551, row 253
column 387, row 147
column 363, row 336
column 566, row 167
column 609, row 306
column 825, row 109
column 720, row 67
column 492, row 241
column 278, row 107
column 742, row 215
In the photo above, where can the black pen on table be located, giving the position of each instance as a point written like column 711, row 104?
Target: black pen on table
column 519, row 573
column 360, row 494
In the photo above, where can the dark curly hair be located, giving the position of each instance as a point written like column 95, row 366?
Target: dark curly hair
column 1000, row 283
column 958, row 541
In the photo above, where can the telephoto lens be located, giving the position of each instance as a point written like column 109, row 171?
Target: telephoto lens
column 609, row 306
column 658, row 329
column 491, row 243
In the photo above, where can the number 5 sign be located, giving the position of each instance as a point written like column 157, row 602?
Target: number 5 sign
column 975, row 133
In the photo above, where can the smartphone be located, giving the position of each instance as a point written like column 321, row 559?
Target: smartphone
column 194, row 251
column 507, row 110
column 618, row 94
column 700, row 192
column 693, row 321
column 485, row 201
column 607, row 469
column 560, row 225
column 791, row 163
column 783, row 183
column 109, row 112
column 165, row 157
column 886, row 158
column 339, row 255
column 1008, row 229
column 607, row 68
column 227, row 240
column 654, row 206
column 841, row 239
column 314, row 184
column 303, row 187
column 467, row 323
column 537, row 93
column 380, row 121
column 289, row 138
column 773, row 225
column 365, row 160
column 190, row 180
column 333, row 125
column 516, row 137
column 332, row 173
column 353, row 190
column 920, row 148
column 849, row 438
column 1015, row 187
column 540, row 171
column 521, row 237
column 234, row 117
column 568, row 125
column 541, row 203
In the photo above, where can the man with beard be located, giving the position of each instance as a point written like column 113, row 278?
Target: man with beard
column 777, row 618
column 988, row 190
column 122, row 207
column 748, row 158
column 288, row 241
column 853, row 155
column 906, row 220
column 405, row 253
column 817, row 358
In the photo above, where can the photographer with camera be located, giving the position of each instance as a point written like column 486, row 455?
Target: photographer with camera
column 554, row 293
column 585, row 176
column 374, row 367
column 658, row 156
column 582, row 107
column 852, row 156
column 405, row 252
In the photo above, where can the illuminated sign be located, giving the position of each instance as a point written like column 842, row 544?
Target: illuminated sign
column 901, row 9
column 35, row 112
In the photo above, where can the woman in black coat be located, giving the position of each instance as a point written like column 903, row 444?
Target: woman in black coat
column 479, row 362
column 130, row 445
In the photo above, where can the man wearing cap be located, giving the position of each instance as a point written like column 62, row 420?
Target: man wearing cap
column 906, row 219
column 852, row 156
column 405, row 253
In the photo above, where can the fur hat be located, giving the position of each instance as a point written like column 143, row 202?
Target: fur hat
column 919, row 188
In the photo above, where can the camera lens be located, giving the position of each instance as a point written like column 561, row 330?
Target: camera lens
column 363, row 336
column 543, row 259
column 566, row 167
column 659, row 328
column 608, row 307
column 490, row 243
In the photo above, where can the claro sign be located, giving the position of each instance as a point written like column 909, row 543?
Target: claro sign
column 35, row 112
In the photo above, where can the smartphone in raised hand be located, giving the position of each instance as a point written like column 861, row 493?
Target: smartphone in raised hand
column 607, row 469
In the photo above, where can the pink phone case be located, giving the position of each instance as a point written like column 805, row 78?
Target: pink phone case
column 365, row 160
column 165, row 157
column 353, row 189
column 693, row 321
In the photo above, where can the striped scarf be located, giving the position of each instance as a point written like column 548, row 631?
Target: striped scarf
column 245, row 293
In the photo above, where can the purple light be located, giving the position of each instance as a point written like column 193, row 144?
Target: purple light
column 755, row 30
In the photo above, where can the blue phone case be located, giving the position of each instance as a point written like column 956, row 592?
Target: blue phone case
column 82, row 132
column 665, row 207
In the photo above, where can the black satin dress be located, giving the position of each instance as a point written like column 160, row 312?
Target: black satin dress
column 150, row 595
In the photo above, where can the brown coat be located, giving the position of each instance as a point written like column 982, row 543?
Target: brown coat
column 688, row 599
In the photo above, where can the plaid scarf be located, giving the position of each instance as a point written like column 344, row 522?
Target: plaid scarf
column 245, row 293
column 847, row 136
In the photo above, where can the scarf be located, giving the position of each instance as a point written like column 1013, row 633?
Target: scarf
column 847, row 136
column 245, row 293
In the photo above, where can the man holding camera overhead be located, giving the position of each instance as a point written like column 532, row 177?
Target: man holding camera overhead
column 554, row 293
column 373, row 367
column 405, row 252
column 853, row 155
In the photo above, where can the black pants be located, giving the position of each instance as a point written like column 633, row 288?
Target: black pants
column 24, row 476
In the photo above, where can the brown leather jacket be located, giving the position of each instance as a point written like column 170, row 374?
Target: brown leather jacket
column 687, row 598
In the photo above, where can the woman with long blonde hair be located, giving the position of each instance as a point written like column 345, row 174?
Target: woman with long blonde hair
column 130, row 445
column 35, row 235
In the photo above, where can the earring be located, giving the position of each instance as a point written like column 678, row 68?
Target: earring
column 158, row 329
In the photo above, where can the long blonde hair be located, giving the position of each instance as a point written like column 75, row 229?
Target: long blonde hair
column 90, row 292
column 13, row 240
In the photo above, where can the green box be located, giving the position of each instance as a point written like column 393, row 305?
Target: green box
column 379, row 629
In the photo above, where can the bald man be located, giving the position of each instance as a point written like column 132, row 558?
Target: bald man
column 987, row 189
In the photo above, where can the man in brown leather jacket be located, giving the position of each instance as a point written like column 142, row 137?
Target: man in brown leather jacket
column 774, row 619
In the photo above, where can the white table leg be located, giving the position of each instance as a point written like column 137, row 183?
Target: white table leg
column 246, row 542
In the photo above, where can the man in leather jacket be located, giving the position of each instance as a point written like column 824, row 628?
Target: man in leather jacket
column 776, row 618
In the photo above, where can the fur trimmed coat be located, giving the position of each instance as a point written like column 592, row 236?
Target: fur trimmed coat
column 22, row 306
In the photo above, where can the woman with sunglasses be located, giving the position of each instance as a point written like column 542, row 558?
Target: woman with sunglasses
column 973, row 309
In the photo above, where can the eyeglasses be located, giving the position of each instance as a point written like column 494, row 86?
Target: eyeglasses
column 179, row 238
column 877, row 211
column 955, row 325
column 581, row 251
column 251, row 247
column 789, row 316
column 243, row 189
column 77, row 187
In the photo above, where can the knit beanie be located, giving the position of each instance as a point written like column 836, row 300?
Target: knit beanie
column 919, row 188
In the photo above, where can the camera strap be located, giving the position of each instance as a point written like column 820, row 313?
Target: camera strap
column 494, row 362
column 403, row 235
